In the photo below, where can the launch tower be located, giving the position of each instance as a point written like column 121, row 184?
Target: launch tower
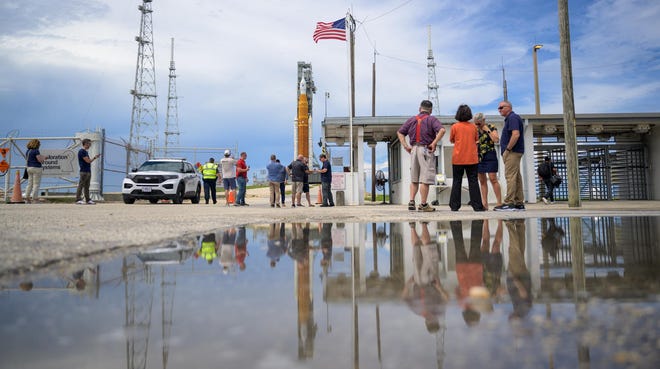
column 144, row 119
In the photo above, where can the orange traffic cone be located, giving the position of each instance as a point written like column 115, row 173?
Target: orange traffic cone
column 319, row 199
column 17, row 196
column 232, row 196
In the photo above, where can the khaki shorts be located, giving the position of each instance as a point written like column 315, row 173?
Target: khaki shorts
column 422, row 165
column 296, row 187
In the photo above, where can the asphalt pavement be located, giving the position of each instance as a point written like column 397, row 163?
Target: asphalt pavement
column 35, row 236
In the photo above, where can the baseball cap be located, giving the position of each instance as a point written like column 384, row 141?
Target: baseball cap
column 227, row 153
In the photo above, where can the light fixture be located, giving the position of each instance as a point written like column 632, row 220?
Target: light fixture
column 595, row 129
column 641, row 128
column 549, row 129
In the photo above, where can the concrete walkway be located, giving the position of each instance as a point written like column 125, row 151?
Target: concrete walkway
column 36, row 235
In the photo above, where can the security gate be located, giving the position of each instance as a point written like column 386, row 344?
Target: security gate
column 607, row 172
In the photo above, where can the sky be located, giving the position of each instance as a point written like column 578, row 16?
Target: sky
column 68, row 65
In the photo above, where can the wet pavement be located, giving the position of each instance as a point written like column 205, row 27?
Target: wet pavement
column 440, row 291
column 61, row 232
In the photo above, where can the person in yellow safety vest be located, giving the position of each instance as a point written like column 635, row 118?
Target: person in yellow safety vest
column 209, row 249
column 210, row 176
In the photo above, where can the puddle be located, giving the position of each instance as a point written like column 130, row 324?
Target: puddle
column 562, row 292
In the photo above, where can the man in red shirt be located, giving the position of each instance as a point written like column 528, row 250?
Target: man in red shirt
column 241, row 179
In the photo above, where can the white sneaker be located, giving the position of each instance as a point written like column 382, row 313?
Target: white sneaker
column 545, row 200
column 90, row 202
column 80, row 202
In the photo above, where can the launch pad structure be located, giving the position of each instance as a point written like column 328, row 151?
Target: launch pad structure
column 302, row 137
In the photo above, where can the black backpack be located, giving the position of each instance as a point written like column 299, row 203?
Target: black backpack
column 544, row 170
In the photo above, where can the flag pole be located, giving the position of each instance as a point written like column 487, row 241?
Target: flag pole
column 350, row 28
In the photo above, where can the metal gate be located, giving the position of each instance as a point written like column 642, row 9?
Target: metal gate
column 607, row 172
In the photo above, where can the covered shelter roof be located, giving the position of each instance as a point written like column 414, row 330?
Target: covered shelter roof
column 383, row 128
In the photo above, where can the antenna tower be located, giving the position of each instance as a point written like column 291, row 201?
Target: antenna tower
column 504, row 88
column 172, row 119
column 144, row 122
column 432, row 85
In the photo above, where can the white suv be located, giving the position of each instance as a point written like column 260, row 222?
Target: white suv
column 158, row 179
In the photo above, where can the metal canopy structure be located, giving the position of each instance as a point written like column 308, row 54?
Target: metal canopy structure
column 622, row 136
column 383, row 128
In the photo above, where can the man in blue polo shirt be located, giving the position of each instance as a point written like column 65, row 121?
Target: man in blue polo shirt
column 85, row 163
column 513, row 147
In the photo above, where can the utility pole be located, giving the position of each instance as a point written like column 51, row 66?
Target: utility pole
column 172, row 120
column 373, row 114
column 570, row 135
column 144, row 118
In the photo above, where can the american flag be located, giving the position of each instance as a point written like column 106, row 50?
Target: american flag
column 330, row 30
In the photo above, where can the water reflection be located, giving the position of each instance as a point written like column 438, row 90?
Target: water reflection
column 423, row 291
column 561, row 292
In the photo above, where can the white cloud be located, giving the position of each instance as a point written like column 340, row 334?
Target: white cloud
column 236, row 62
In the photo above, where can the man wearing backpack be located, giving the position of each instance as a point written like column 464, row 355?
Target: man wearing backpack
column 546, row 171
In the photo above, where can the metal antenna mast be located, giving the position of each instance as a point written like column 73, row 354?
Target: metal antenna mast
column 432, row 85
column 506, row 94
column 172, row 119
column 144, row 122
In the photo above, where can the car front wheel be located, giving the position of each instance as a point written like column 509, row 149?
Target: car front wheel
column 128, row 200
column 178, row 198
column 195, row 199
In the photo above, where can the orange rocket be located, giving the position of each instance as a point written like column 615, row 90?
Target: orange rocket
column 303, row 120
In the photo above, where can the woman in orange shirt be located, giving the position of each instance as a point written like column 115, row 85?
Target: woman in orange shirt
column 465, row 158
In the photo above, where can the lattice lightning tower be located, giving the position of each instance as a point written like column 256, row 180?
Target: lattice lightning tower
column 172, row 120
column 144, row 118
column 432, row 85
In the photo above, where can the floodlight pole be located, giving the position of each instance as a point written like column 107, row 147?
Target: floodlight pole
column 536, row 78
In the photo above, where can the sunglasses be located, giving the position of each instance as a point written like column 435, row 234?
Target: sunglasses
column 501, row 107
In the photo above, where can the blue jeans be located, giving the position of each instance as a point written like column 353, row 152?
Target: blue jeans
column 282, row 191
column 327, row 193
column 241, row 182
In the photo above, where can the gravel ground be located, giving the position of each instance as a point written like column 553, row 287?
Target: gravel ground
column 36, row 236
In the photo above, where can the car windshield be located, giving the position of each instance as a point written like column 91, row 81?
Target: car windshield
column 161, row 166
